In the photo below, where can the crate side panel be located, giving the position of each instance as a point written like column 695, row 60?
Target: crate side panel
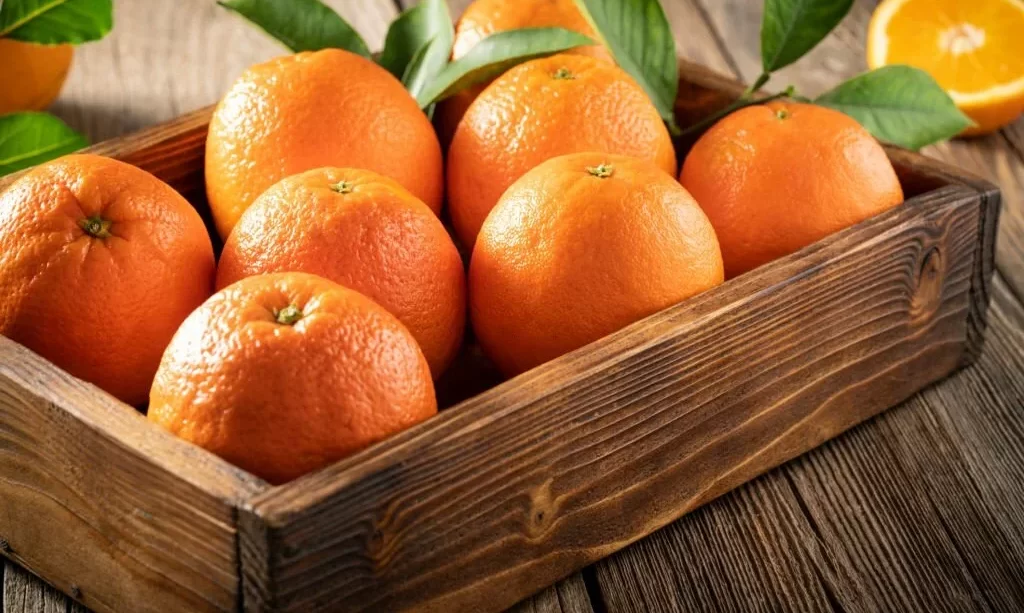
column 515, row 489
column 107, row 508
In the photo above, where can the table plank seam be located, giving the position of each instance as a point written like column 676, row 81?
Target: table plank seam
column 826, row 584
column 590, row 582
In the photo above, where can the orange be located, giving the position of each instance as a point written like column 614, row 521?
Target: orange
column 32, row 74
column 284, row 374
column 303, row 111
column 539, row 110
column 580, row 247
column 99, row 264
column 365, row 231
column 974, row 49
column 485, row 17
column 777, row 177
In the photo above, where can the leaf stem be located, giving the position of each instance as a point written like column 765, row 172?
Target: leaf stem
column 746, row 99
column 758, row 84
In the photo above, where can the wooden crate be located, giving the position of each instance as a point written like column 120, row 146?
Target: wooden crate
column 528, row 480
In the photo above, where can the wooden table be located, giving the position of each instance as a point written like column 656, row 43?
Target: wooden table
column 921, row 509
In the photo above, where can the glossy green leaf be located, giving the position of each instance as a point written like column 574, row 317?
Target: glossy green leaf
column 640, row 39
column 27, row 139
column 494, row 55
column 300, row 25
column 899, row 105
column 426, row 66
column 52, row 22
column 791, row 28
column 426, row 23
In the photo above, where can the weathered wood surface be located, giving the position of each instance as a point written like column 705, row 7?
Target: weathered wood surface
column 920, row 507
column 86, row 475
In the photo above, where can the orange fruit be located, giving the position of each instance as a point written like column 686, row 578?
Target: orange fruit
column 313, row 109
column 32, row 74
column 579, row 247
column 777, row 177
column 975, row 50
column 99, row 264
column 284, row 374
column 485, row 17
column 365, row 231
column 539, row 110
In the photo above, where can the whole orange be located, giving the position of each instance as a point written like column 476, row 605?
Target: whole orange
column 32, row 74
column 777, row 177
column 580, row 247
column 99, row 264
column 539, row 110
column 284, row 374
column 365, row 231
column 485, row 17
column 313, row 109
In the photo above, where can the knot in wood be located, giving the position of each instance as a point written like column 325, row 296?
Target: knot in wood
column 928, row 292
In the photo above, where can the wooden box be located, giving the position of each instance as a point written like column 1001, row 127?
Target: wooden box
column 525, row 481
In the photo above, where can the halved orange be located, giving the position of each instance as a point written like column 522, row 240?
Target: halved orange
column 973, row 48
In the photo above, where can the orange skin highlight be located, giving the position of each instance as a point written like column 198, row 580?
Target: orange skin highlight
column 101, row 308
column 568, row 256
column 775, row 178
column 366, row 232
column 283, row 399
column 32, row 75
column 485, row 17
column 543, row 109
column 314, row 109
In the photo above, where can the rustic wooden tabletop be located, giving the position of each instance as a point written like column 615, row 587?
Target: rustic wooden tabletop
column 921, row 509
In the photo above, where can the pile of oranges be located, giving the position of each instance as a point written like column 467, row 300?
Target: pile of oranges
column 339, row 295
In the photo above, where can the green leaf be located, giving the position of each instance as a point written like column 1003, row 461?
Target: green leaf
column 414, row 29
column 54, row 22
column 640, row 39
column 300, row 25
column 899, row 105
column 791, row 28
column 494, row 55
column 27, row 139
column 426, row 65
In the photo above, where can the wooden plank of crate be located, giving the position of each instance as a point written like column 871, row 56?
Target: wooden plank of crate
column 109, row 509
column 612, row 442
column 936, row 523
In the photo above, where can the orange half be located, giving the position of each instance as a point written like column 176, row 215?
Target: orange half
column 973, row 48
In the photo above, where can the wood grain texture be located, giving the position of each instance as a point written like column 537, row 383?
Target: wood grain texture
column 920, row 509
column 603, row 446
column 21, row 595
column 107, row 507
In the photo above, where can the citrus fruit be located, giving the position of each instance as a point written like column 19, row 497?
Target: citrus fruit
column 366, row 232
column 32, row 74
column 283, row 374
column 485, row 17
column 539, row 110
column 774, row 178
column 975, row 50
column 99, row 264
column 579, row 247
column 313, row 109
